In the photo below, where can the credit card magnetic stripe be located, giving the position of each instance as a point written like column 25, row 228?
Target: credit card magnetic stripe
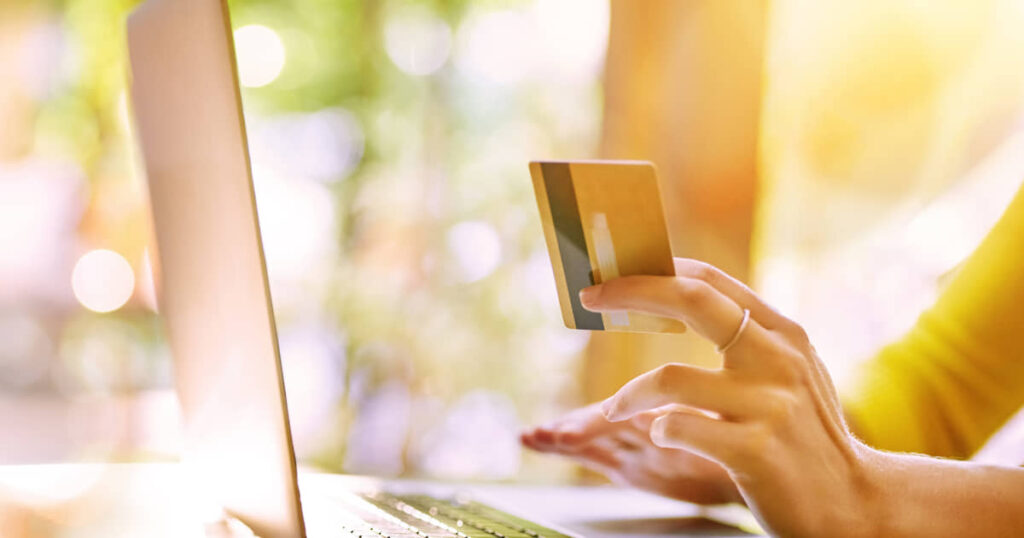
column 572, row 246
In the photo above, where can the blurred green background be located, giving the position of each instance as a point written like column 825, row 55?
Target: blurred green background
column 417, row 314
column 841, row 157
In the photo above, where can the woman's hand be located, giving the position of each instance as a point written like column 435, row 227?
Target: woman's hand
column 773, row 422
column 623, row 451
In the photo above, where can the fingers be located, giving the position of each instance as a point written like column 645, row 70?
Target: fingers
column 713, row 306
column 573, row 430
column 529, row 440
column 760, row 311
column 691, row 386
column 586, row 437
column 596, row 456
column 642, row 421
column 583, row 427
column 714, row 439
column 548, row 439
column 694, row 302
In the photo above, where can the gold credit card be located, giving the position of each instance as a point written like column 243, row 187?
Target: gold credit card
column 602, row 219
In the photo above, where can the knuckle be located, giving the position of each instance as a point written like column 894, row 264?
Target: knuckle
column 692, row 291
column 672, row 429
column 797, row 334
column 800, row 333
column 610, row 290
column 668, row 376
column 788, row 362
column 703, row 271
column 791, row 332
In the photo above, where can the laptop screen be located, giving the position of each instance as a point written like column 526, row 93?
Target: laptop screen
column 211, row 280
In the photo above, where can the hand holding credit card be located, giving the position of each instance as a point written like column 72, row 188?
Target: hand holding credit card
column 601, row 220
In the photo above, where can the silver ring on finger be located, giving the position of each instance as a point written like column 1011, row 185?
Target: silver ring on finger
column 739, row 332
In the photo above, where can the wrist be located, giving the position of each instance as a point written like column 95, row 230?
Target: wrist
column 864, row 511
column 874, row 489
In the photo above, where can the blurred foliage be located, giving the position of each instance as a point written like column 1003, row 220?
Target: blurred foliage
column 441, row 176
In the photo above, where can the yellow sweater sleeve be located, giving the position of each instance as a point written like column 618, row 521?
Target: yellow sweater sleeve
column 958, row 374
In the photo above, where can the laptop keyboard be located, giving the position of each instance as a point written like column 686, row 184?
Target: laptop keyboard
column 423, row 516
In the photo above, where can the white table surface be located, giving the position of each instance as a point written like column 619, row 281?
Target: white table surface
column 154, row 500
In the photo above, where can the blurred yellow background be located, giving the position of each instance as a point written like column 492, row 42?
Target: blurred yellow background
column 841, row 156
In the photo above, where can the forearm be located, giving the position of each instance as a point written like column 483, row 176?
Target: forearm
column 923, row 496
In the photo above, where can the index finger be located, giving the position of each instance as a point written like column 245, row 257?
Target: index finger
column 691, row 386
column 765, row 314
column 706, row 310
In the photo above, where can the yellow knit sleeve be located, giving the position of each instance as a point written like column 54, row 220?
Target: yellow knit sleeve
column 958, row 374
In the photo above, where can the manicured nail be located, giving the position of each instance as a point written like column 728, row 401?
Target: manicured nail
column 589, row 295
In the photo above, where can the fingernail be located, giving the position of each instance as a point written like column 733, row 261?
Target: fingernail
column 608, row 409
column 588, row 296
column 657, row 432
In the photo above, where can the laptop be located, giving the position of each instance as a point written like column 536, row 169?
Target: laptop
column 215, row 301
column 216, row 304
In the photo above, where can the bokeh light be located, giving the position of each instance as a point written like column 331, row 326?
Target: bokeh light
column 389, row 174
column 325, row 145
column 389, row 141
column 297, row 218
column 37, row 488
column 476, row 247
column 260, row 54
column 417, row 42
column 476, row 439
column 574, row 34
column 102, row 280
column 314, row 368
column 25, row 340
column 40, row 203
column 497, row 47
column 45, row 46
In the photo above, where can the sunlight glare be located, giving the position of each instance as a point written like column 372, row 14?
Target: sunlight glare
column 418, row 43
column 102, row 280
column 260, row 55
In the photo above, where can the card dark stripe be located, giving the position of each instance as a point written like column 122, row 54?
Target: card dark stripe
column 572, row 246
